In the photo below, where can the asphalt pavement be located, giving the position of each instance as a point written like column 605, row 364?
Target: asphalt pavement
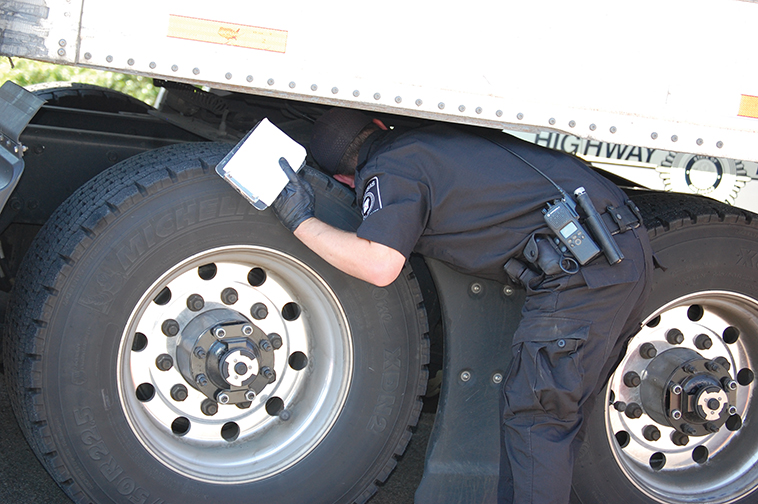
column 23, row 480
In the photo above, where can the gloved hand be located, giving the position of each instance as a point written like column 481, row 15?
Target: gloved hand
column 294, row 205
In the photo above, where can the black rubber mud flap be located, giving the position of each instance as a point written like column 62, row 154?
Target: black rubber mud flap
column 479, row 318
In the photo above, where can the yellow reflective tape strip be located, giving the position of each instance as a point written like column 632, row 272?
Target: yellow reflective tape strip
column 218, row 32
column 748, row 106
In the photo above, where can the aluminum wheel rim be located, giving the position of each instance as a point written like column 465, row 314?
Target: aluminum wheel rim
column 237, row 444
column 718, row 467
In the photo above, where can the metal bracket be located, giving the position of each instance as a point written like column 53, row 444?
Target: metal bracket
column 463, row 456
column 17, row 107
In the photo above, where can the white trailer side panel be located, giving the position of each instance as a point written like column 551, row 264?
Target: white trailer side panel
column 672, row 75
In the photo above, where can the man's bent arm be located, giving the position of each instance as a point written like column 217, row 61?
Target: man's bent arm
column 369, row 261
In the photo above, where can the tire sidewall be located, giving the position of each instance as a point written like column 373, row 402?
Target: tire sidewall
column 107, row 281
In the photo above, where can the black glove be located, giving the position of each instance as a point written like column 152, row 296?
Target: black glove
column 295, row 203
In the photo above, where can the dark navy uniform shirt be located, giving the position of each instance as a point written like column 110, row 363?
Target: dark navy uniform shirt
column 448, row 193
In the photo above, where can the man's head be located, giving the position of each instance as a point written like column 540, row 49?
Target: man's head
column 337, row 137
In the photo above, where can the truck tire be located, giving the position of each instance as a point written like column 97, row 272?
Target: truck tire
column 169, row 343
column 675, row 426
column 81, row 96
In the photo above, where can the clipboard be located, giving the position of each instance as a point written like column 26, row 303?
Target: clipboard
column 252, row 166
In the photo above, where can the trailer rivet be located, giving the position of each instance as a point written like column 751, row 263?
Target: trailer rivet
column 292, row 85
column 130, row 62
column 613, row 129
column 551, row 121
column 419, row 102
column 335, row 90
column 593, row 127
column 152, row 65
column 699, row 141
column 314, row 87
column 62, row 42
column 499, row 113
column 356, row 93
column 674, row 138
column 719, row 144
column 196, row 71
column 61, row 52
column 109, row 58
column 497, row 378
column 508, row 290
column 519, row 116
column 87, row 55
column 249, row 78
column 476, row 288
column 461, row 108
column 654, row 135
column 572, row 124
column 377, row 96
column 478, row 110
column 398, row 99
column 270, row 82
column 174, row 68
column 441, row 105
column 228, row 76
column 465, row 376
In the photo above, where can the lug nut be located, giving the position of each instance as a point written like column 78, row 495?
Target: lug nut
column 712, row 366
column 201, row 380
column 195, row 302
column 259, row 311
column 276, row 340
column 619, row 405
column 651, row 433
column 723, row 363
column 208, row 407
column 674, row 336
column 633, row 410
column 229, row 296
column 199, row 352
column 648, row 351
column 266, row 345
column 689, row 369
column 712, row 427
column 703, row 342
column 679, row 439
column 687, row 428
column 729, row 384
column 179, row 392
column 170, row 327
column 222, row 397
column 632, row 379
column 164, row 362
column 268, row 373
column 219, row 332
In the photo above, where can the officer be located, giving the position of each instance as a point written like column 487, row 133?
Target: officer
column 474, row 200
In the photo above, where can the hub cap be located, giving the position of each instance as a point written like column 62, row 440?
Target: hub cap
column 235, row 364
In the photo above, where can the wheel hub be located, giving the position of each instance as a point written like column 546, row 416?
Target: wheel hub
column 226, row 357
column 682, row 389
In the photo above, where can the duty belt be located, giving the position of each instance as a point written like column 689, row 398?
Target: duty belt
column 622, row 218
column 618, row 220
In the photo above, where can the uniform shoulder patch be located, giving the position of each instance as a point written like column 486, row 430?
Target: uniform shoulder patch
column 372, row 197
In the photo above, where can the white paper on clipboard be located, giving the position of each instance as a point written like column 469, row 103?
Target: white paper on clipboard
column 252, row 166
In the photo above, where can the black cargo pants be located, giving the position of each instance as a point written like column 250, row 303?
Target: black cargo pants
column 573, row 331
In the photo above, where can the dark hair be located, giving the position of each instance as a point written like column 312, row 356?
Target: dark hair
column 349, row 159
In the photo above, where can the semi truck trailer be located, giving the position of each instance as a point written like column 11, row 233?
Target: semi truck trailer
column 164, row 341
